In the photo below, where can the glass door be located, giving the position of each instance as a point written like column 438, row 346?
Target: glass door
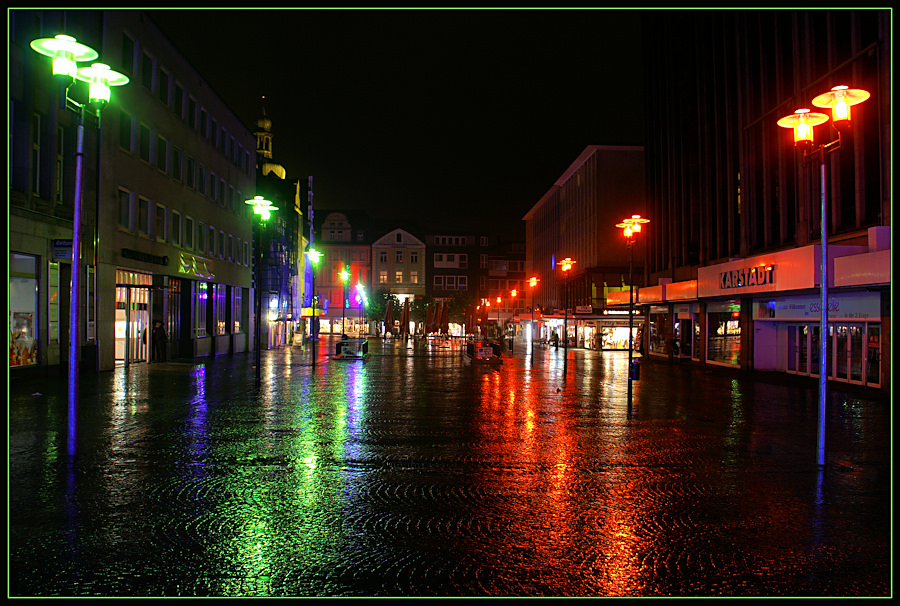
column 856, row 353
column 841, row 352
column 873, row 354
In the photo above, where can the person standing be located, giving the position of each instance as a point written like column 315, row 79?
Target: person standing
column 158, row 341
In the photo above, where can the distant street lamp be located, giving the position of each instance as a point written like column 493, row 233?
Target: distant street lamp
column 262, row 208
column 566, row 265
column 345, row 277
column 499, row 334
column 802, row 121
column 314, row 257
column 630, row 228
column 362, row 301
column 66, row 52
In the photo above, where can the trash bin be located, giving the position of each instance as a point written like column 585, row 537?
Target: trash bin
column 636, row 369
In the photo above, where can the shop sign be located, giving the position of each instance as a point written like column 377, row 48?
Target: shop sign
column 747, row 276
column 61, row 249
column 848, row 306
column 196, row 266
column 137, row 255
column 583, row 309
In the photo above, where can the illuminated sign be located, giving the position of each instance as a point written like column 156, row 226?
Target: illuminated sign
column 747, row 276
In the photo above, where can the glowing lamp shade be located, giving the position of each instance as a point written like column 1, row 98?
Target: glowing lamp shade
column 261, row 207
column 100, row 78
column 566, row 264
column 65, row 52
column 839, row 99
column 803, row 121
column 532, row 282
column 632, row 225
column 314, row 255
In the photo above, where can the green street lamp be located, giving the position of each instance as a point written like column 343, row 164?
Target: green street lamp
column 314, row 257
column 345, row 278
column 65, row 53
column 262, row 208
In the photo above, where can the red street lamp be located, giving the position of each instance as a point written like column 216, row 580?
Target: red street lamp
column 802, row 121
column 566, row 265
column 630, row 228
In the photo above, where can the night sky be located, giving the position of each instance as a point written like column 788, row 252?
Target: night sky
column 453, row 118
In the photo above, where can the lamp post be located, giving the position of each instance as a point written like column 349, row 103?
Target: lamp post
column 363, row 303
column 532, row 283
column 262, row 208
column 65, row 53
column 345, row 277
column 566, row 264
column 314, row 256
column 839, row 99
column 630, row 228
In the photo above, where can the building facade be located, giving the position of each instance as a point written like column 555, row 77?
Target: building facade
column 166, row 234
column 734, row 244
column 576, row 219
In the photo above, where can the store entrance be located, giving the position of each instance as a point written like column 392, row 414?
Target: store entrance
column 132, row 318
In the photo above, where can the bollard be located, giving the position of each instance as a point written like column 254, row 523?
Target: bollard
column 636, row 369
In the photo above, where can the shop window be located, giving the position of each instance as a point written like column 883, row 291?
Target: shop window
column 724, row 337
column 23, row 292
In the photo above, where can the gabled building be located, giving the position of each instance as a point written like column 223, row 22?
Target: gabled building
column 398, row 262
column 345, row 242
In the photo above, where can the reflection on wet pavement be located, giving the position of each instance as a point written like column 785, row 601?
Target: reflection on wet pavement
column 417, row 474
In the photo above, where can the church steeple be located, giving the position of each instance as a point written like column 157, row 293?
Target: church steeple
column 264, row 155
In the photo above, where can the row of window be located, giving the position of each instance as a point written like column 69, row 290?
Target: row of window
column 398, row 256
column 457, row 240
column 398, row 277
column 144, row 217
column 158, row 81
column 451, row 282
column 154, row 149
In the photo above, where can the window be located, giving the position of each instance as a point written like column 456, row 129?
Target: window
column 192, row 113
column 177, row 159
column 60, row 154
column 200, row 302
column 36, row 155
column 200, row 241
column 438, row 258
column 238, row 312
column 160, row 227
column 221, row 309
column 189, row 172
column 484, row 240
column 214, row 132
column 413, row 256
column 145, row 143
column 127, row 62
column 143, row 217
column 398, row 277
column 53, row 301
column 23, row 309
column 382, row 256
column 188, row 232
column 163, row 86
column 221, row 193
column 212, row 241
column 212, row 186
column 462, row 282
column 162, row 154
column 463, row 261
column 125, row 131
column 414, row 277
column 221, row 244
column 439, row 282
column 399, row 238
column 382, row 277
column 175, row 229
column 230, row 248
column 398, row 256
column 450, row 282
column 204, row 126
column 201, row 181
column 125, row 209
column 147, row 72
column 178, row 101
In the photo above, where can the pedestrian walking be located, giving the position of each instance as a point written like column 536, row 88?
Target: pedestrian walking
column 158, row 341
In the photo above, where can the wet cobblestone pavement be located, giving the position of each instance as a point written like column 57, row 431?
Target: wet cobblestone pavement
column 417, row 474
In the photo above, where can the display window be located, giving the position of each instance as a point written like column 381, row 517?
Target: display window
column 23, row 298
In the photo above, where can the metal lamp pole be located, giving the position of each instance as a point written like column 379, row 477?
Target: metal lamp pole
column 630, row 228
column 345, row 276
column 566, row 264
column 66, row 52
column 802, row 121
column 262, row 208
